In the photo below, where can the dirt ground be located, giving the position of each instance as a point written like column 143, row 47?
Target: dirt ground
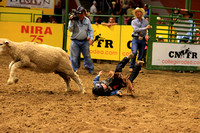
column 164, row 101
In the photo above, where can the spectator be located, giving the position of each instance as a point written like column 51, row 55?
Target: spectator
column 124, row 6
column 52, row 19
column 39, row 20
column 97, row 20
column 197, row 38
column 146, row 8
column 110, row 22
column 113, row 8
column 130, row 12
column 93, row 8
column 118, row 8
column 161, row 20
column 186, row 31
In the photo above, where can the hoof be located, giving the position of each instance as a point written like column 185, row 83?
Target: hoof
column 83, row 92
column 15, row 81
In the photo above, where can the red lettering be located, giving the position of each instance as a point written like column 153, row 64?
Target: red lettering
column 35, row 30
column 48, row 30
column 32, row 29
column 38, row 29
column 24, row 29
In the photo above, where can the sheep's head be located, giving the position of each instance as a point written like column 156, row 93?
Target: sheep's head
column 3, row 44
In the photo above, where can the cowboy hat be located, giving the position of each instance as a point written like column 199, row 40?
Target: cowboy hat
column 139, row 9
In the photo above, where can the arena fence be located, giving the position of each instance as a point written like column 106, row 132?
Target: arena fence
column 165, row 52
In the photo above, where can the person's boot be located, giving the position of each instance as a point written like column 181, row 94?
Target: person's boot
column 140, row 62
column 130, row 56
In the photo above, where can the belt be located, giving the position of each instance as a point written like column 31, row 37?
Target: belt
column 138, row 37
column 80, row 40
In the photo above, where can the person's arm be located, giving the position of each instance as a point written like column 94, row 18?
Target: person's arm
column 96, row 79
column 71, row 24
column 138, row 29
column 104, row 24
column 90, row 33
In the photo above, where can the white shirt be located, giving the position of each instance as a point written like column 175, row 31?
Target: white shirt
column 93, row 9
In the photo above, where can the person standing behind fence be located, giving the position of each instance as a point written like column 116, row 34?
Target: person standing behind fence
column 186, row 28
column 82, row 35
column 93, row 9
column 140, row 27
column 110, row 22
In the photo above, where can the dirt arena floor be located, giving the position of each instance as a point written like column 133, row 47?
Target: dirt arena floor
column 164, row 101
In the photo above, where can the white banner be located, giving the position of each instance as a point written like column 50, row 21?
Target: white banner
column 31, row 3
column 173, row 54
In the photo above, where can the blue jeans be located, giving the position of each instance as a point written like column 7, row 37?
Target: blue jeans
column 137, row 44
column 76, row 48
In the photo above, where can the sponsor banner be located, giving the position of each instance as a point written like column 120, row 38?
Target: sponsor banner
column 31, row 3
column 169, row 54
column 126, row 41
column 106, row 42
column 43, row 33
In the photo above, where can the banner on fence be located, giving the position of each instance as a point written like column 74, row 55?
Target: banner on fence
column 106, row 42
column 47, row 6
column 172, row 54
column 31, row 3
column 43, row 33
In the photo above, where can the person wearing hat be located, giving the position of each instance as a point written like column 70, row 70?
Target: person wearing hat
column 82, row 35
column 112, row 85
column 140, row 27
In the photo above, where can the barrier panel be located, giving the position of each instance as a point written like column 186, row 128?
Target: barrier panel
column 170, row 54
column 51, row 34
column 8, row 14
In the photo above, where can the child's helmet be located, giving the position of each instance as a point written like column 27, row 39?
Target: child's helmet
column 98, row 89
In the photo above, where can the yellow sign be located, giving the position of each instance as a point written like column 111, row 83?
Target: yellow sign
column 9, row 14
column 43, row 33
column 126, row 41
column 106, row 44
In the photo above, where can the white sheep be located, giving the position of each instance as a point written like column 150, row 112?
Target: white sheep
column 40, row 58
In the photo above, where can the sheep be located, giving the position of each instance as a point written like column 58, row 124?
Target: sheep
column 40, row 58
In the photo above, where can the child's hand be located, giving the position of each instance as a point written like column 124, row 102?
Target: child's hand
column 111, row 73
column 100, row 73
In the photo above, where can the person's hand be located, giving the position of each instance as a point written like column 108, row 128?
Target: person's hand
column 147, row 37
column 90, row 41
column 148, row 27
column 100, row 73
column 111, row 73
column 109, row 25
column 71, row 17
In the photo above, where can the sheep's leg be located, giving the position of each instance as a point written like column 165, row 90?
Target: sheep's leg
column 76, row 78
column 19, row 64
column 66, row 79
column 10, row 65
column 13, row 66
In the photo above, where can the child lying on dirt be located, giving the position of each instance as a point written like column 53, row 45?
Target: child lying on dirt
column 112, row 85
